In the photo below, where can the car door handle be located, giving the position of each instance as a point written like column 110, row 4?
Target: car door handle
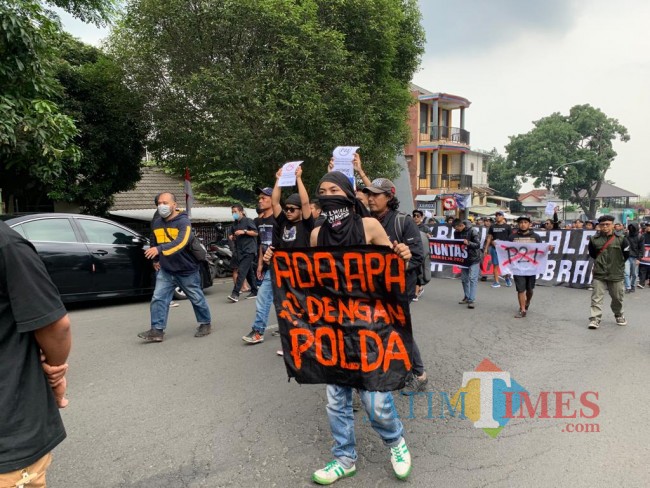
column 100, row 253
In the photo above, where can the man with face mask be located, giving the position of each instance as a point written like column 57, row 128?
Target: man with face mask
column 171, row 233
column 244, row 233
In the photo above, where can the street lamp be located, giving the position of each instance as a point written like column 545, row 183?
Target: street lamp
column 579, row 161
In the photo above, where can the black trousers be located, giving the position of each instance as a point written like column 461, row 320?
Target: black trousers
column 247, row 271
column 644, row 273
column 416, row 359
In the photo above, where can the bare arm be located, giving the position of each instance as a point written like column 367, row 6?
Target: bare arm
column 357, row 167
column 55, row 340
column 304, row 196
column 275, row 196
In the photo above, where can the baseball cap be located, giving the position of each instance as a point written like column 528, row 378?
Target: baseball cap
column 380, row 185
column 523, row 217
column 606, row 218
column 499, row 212
column 267, row 190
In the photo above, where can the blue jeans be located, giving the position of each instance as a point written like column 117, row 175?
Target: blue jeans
column 381, row 413
column 164, row 292
column 630, row 273
column 263, row 303
column 469, row 278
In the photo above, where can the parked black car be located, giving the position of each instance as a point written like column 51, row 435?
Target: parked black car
column 88, row 257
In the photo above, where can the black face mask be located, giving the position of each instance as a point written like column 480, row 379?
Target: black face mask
column 335, row 208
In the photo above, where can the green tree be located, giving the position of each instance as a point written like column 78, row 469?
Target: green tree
column 242, row 87
column 36, row 137
column 112, row 128
column 586, row 134
column 502, row 175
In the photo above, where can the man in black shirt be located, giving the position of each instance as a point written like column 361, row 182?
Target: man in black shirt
column 244, row 233
column 294, row 221
column 400, row 228
column 498, row 231
column 33, row 321
column 524, row 284
column 266, row 226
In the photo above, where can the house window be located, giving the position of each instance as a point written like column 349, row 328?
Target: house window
column 423, row 165
column 472, row 166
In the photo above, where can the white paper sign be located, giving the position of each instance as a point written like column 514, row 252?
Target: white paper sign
column 550, row 208
column 288, row 176
column 521, row 258
column 343, row 158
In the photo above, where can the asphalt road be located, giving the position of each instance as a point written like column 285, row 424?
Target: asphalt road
column 214, row 412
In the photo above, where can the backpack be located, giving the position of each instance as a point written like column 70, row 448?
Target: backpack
column 425, row 272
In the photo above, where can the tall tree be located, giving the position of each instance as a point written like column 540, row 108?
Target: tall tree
column 586, row 134
column 242, row 87
column 502, row 175
column 112, row 128
column 36, row 137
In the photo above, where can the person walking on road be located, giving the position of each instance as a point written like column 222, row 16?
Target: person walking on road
column 469, row 276
column 636, row 250
column 172, row 230
column 346, row 225
column 609, row 252
column 500, row 230
column 35, row 341
column 244, row 233
column 524, row 284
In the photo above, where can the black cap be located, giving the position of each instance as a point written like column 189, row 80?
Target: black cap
column 267, row 190
column 523, row 217
column 606, row 218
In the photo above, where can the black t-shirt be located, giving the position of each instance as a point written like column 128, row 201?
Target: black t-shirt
column 30, row 424
column 245, row 244
column 266, row 228
column 529, row 237
column 289, row 235
column 500, row 232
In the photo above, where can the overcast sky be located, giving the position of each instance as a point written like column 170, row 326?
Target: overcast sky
column 520, row 60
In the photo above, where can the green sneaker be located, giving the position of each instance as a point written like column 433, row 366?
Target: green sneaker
column 400, row 458
column 332, row 472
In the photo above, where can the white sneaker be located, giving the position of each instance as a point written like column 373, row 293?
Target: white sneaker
column 332, row 472
column 400, row 458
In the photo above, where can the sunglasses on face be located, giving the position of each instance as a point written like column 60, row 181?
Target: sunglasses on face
column 291, row 209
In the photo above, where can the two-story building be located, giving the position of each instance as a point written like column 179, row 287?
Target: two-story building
column 439, row 158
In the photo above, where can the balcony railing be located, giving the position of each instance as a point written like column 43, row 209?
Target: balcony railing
column 429, row 133
column 453, row 181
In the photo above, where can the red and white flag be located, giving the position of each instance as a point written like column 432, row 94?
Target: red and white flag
column 189, row 197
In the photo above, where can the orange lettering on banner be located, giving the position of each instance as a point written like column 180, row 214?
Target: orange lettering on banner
column 281, row 274
column 364, row 335
column 395, row 341
column 325, row 331
column 372, row 272
column 397, row 314
column 400, row 278
column 328, row 310
column 321, row 275
column 350, row 277
column 363, row 310
column 379, row 312
column 296, row 348
column 314, row 309
column 289, row 312
column 344, row 362
column 347, row 312
column 309, row 269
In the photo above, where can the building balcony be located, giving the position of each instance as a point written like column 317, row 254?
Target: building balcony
column 444, row 181
column 434, row 133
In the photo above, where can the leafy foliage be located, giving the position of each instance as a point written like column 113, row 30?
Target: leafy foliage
column 586, row 134
column 242, row 87
column 502, row 175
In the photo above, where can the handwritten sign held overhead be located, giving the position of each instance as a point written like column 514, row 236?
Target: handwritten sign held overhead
column 288, row 177
column 550, row 208
column 343, row 161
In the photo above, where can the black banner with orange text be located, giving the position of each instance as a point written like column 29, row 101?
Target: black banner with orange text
column 343, row 316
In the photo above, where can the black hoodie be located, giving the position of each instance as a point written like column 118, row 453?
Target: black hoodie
column 635, row 240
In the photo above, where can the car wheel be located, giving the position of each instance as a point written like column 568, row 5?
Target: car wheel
column 179, row 294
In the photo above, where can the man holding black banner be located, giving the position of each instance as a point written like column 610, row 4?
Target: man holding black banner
column 346, row 225
column 469, row 275
column 609, row 251
column 499, row 231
